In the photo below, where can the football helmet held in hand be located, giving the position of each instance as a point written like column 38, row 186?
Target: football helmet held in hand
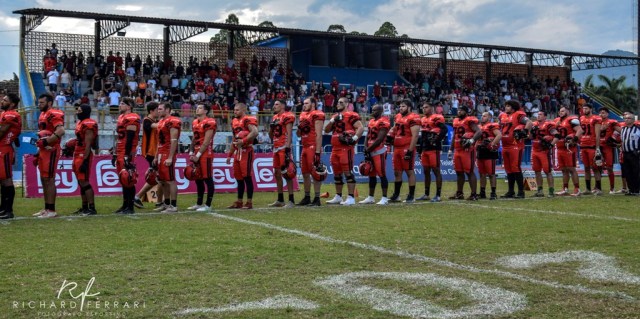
column 320, row 172
column 192, row 173
column 128, row 177
column 69, row 147
column 365, row 168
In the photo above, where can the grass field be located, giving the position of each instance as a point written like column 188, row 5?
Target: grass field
column 532, row 258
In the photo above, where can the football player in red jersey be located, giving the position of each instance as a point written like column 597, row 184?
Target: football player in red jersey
column 245, row 130
column 86, row 134
column 487, row 153
column 10, row 128
column 168, row 134
column 544, row 138
column 347, row 129
column 376, row 152
column 127, row 128
column 590, row 148
column 201, row 154
column 608, row 144
column 433, row 131
column 51, row 121
column 465, row 133
column 281, row 133
column 569, row 131
column 513, row 146
column 407, row 129
column 310, row 132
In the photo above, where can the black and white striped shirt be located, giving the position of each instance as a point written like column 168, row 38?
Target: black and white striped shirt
column 630, row 138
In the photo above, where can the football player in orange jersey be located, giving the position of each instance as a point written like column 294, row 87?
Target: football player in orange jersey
column 487, row 153
column 462, row 150
column 590, row 148
column 168, row 134
column 51, row 121
column 608, row 144
column 544, row 137
column 513, row 135
column 149, row 151
column 86, row 134
column 245, row 130
column 568, row 127
column 201, row 154
column 310, row 133
column 10, row 128
column 127, row 128
column 347, row 129
column 376, row 153
column 281, row 133
column 433, row 131
column 407, row 129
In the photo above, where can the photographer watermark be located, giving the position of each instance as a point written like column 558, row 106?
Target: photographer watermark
column 73, row 300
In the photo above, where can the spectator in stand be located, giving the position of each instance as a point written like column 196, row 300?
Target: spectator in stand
column 53, row 77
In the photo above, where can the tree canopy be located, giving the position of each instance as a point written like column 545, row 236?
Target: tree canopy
column 614, row 91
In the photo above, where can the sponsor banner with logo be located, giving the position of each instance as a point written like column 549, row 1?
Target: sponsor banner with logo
column 446, row 169
column 104, row 178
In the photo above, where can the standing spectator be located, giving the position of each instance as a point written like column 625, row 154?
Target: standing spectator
column 53, row 76
column 114, row 100
column 630, row 137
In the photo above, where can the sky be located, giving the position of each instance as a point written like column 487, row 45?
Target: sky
column 587, row 26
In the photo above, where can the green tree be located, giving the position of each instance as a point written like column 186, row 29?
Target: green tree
column 339, row 28
column 223, row 35
column 614, row 91
column 266, row 23
column 387, row 29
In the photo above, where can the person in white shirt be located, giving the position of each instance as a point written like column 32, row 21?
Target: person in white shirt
column 114, row 98
column 61, row 99
column 52, row 76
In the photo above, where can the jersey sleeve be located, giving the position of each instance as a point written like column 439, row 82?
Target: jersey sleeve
column 289, row 118
column 209, row 124
column 384, row 123
column 250, row 120
column 415, row 120
column 353, row 118
column 318, row 116
column 56, row 118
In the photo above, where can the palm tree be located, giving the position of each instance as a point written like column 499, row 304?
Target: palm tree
column 614, row 91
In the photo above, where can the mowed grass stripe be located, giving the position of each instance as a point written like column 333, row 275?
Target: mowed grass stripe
column 439, row 262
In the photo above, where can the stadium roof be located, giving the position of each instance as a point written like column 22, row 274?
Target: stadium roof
column 456, row 50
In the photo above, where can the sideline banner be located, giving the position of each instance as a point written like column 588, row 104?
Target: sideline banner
column 104, row 179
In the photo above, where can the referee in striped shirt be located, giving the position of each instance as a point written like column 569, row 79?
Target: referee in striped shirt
column 630, row 136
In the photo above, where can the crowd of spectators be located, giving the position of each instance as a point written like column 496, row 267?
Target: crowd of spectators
column 259, row 82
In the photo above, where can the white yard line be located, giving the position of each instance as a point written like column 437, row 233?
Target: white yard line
column 542, row 211
column 440, row 262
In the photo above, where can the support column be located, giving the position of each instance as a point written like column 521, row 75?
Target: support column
column 97, row 41
column 487, row 65
column 165, row 45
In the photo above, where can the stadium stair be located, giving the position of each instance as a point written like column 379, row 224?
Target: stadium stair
column 38, row 83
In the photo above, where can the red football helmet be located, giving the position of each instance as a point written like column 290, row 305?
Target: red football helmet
column 151, row 177
column 319, row 173
column 365, row 168
column 69, row 147
column 128, row 177
column 291, row 170
column 192, row 173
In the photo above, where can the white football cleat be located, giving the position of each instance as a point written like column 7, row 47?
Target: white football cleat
column 336, row 200
column 383, row 201
column 349, row 201
column 368, row 200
